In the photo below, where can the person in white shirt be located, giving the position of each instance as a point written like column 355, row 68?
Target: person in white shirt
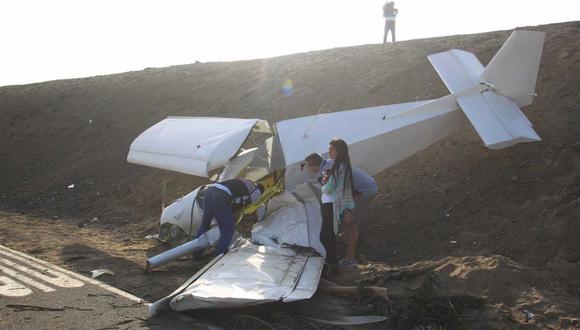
column 364, row 191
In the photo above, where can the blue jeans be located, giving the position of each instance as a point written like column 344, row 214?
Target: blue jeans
column 218, row 204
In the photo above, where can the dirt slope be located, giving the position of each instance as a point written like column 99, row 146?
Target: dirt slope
column 519, row 206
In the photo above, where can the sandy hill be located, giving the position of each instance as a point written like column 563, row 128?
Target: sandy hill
column 519, row 206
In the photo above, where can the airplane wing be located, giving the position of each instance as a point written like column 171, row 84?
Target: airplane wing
column 283, row 261
column 192, row 145
column 250, row 275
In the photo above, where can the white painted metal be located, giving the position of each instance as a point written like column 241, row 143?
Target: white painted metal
column 498, row 121
column 378, row 138
column 291, row 222
column 308, row 280
column 457, row 68
column 209, row 238
column 253, row 274
column 512, row 72
column 184, row 213
column 514, row 69
column 190, row 145
column 163, row 304
column 237, row 164
column 250, row 275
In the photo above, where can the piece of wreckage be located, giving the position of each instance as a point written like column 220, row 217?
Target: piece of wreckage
column 282, row 259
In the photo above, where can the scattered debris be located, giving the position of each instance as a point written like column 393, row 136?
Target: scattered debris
column 25, row 308
column 426, row 306
column 351, row 291
column 244, row 321
column 124, row 322
column 98, row 272
column 73, row 258
column 351, row 320
column 448, row 211
column 529, row 315
column 35, row 250
column 79, row 309
column 380, row 277
column 138, row 304
column 152, row 236
column 100, row 295
column 568, row 323
column 95, row 219
column 70, row 186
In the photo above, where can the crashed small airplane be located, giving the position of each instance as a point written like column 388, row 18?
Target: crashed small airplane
column 281, row 258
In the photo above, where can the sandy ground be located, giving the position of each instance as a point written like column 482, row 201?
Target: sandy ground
column 83, row 249
column 513, row 214
column 507, row 287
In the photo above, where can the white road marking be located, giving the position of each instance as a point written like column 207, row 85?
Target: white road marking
column 56, row 278
column 11, row 288
column 28, row 259
column 25, row 279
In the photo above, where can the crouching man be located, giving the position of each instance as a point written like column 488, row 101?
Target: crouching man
column 221, row 200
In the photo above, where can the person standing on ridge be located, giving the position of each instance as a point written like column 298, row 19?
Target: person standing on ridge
column 390, row 15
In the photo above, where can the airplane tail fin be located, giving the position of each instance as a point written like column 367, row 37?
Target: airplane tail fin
column 490, row 97
column 513, row 71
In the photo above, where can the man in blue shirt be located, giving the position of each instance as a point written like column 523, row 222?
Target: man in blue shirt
column 221, row 200
column 364, row 191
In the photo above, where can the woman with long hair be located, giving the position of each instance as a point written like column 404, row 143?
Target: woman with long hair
column 338, row 184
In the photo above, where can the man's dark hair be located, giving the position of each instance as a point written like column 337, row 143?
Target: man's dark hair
column 314, row 159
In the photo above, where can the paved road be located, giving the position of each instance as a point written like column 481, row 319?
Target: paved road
column 35, row 294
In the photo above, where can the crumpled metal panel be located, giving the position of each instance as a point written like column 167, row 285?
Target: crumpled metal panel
column 250, row 275
column 292, row 219
column 190, row 145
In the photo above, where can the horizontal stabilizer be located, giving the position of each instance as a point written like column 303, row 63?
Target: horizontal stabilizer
column 498, row 121
column 457, row 68
column 490, row 97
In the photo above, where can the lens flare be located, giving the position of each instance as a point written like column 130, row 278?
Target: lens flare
column 288, row 87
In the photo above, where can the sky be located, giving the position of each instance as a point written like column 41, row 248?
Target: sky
column 46, row 40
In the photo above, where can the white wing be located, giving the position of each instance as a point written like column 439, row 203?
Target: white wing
column 190, row 145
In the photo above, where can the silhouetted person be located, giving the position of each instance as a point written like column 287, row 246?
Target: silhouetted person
column 390, row 15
